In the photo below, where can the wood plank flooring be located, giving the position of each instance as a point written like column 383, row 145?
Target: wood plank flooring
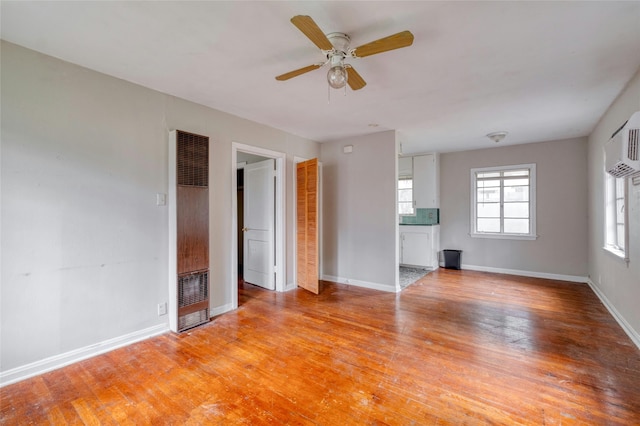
column 457, row 347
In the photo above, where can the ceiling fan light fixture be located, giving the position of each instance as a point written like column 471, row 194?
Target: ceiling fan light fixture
column 336, row 47
column 337, row 76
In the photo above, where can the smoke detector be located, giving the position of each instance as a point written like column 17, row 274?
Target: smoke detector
column 497, row 136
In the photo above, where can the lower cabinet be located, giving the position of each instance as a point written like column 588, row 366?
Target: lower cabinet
column 419, row 246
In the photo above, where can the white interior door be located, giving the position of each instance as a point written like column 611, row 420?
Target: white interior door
column 259, row 224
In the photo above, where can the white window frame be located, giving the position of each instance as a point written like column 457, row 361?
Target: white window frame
column 613, row 217
column 532, row 203
column 413, row 199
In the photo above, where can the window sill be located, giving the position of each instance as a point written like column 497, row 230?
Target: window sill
column 617, row 253
column 504, row 236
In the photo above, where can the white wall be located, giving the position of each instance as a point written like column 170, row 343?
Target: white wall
column 561, row 248
column 359, row 211
column 617, row 282
column 84, row 246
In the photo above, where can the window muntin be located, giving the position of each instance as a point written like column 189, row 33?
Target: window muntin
column 405, row 197
column 503, row 202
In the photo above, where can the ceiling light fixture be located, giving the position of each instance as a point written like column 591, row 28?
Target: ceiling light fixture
column 337, row 76
column 497, row 136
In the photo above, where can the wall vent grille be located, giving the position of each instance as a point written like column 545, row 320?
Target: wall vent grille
column 193, row 288
column 192, row 159
column 193, row 299
column 193, row 319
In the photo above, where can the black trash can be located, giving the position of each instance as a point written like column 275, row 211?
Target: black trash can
column 452, row 259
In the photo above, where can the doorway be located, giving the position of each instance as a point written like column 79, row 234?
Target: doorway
column 243, row 155
column 256, row 220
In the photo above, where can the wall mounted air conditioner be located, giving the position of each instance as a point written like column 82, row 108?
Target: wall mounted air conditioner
column 622, row 152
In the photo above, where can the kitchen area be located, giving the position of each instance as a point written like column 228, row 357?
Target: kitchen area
column 418, row 215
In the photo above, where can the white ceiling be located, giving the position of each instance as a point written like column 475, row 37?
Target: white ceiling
column 539, row 70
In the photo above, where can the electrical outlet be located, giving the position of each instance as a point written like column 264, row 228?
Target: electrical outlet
column 162, row 309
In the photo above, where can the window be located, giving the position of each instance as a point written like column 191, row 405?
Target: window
column 503, row 202
column 405, row 196
column 616, row 215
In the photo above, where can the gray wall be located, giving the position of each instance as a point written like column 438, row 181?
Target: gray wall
column 561, row 169
column 359, row 211
column 618, row 282
column 84, row 246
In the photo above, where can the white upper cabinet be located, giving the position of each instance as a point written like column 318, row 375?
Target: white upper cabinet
column 425, row 181
column 405, row 167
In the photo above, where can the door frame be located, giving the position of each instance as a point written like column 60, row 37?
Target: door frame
column 280, row 222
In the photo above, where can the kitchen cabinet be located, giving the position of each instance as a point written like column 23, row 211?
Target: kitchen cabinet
column 419, row 246
column 405, row 167
column 425, row 181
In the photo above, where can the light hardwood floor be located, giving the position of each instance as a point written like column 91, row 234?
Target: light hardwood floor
column 457, row 347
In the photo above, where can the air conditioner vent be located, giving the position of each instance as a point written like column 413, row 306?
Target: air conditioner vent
column 192, row 159
column 621, row 151
column 621, row 170
column 634, row 136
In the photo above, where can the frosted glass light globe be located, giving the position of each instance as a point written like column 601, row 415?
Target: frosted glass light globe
column 337, row 77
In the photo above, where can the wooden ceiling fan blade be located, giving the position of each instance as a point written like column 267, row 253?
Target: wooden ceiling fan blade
column 355, row 81
column 312, row 31
column 396, row 41
column 297, row 72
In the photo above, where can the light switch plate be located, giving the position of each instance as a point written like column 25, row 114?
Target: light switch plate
column 161, row 199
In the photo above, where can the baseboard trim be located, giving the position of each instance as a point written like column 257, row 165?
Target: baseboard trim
column 533, row 274
column 290, row 286
column 220, row 310
column 358, row 283
column 633, row 334
column 52, row 363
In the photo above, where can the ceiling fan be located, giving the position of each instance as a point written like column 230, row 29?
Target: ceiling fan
column 335, row 46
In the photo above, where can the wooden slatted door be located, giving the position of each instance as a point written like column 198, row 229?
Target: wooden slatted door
column 307, row 229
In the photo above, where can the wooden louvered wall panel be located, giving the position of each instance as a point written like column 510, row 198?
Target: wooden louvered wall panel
column 193, row 160
column 192, row 199
column 193, row 229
